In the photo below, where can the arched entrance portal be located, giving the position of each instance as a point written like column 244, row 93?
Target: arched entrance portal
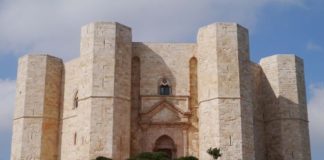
column 166, row 144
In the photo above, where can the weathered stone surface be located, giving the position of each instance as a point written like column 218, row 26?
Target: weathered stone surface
column 285, row 112
column 224, row 90
column 36, row 118
column 103, row 84
column 109, row 101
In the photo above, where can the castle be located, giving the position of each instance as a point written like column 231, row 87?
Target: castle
column 121, row 98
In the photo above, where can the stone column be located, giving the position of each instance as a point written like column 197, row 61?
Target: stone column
column 108, row 47
column 224, row 92
column 285, row 110
column 35, row 125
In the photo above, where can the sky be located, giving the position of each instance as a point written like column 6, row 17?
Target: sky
column 53, row 27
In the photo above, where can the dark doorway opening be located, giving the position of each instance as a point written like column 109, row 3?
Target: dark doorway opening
column 166, row 145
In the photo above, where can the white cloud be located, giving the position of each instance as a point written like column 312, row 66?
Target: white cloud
column 316, row 112
column 53, row 26
column 7, row 97
column 311, row 46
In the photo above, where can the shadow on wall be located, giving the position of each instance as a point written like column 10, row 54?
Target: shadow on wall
column 148, row 68
column 153, row 69
column 285, row 125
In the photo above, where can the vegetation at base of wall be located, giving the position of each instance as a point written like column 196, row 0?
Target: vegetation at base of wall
column 102, row 158
column 187, row 158
column 214, row 152
column 150, row 156
column 158, row 156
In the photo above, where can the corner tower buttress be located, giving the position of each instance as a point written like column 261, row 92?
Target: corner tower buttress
column 285, row 109
column 100, row 125
column 36, row 117
column 224, row 91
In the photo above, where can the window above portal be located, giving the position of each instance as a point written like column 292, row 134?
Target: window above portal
column 165, row 87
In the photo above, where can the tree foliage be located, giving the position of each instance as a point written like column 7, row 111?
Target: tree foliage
column 214, row 152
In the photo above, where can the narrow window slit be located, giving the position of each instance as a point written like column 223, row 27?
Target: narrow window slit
column 75, row 100
column 75, row 138
column 230, row 140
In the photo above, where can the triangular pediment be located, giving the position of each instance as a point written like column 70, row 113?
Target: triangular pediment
column 165, row 115
column 163, row 112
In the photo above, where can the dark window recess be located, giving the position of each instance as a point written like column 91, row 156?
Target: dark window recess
column 75, row 138
column 165, row 90
column 76, row 100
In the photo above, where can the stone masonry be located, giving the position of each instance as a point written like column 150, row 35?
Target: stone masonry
column 121, row 98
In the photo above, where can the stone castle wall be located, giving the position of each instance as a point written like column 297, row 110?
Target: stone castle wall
column 171, row 61
column 36, row 118
column 102, row 119
column 285, row 112
column 224, row 89
column 107, row 102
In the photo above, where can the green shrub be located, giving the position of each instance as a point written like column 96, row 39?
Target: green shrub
column 103, row 158
column 150, row 156
column 214, row 152
column 187, row 158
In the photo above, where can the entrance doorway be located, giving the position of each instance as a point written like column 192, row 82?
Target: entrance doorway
column 166, row 145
